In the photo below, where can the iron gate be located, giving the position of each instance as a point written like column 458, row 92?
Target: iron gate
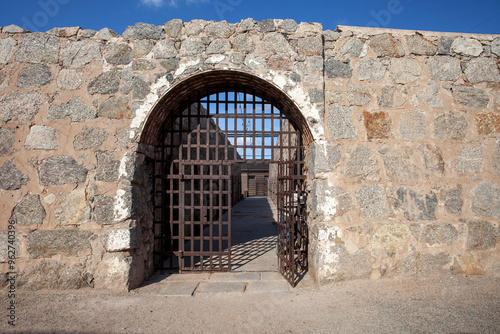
column 292, row 226
column 197, row 170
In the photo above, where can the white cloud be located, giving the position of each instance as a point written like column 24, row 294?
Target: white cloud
column 172, row 3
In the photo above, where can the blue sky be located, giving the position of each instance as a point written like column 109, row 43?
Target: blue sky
column 479, row 16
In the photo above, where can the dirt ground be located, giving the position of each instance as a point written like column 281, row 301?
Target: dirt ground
column 433, row 305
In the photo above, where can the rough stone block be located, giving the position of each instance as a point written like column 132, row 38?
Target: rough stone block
column 103, row 210
column 433, row 99
column 481, row 235
column 444, row 68
column 310, row 46
column 363, row 164
column 385, row 45
column 390, row 237
column 469, row 160
column 413, row 125
column 73, row 209
column 404, row 70
column 347, row 266
column 289, row 25
column 80, row 53
column 482, row 70
column 7, row 141
column 11, row 178
column 414, row 206
column 39, row 48
column 439, row 234
column 69, row 79
column 7, row 48
column 13, row 29
column 173, row 27
column 450, row 125
column 46, row 244
column 329, row 201
column 75, row 109
column 106, row 34
column 90, row 138
column 378, row 125
column 495, row 157
column 323, row 158
column 142, row 31
column 219, row 46
column 276, row 43
column 453, row 200
column 142, row 47
column 470, row 96
column 112, row 272
column 485, row 198
column 49, row 274
column 219, row 29
column 42, row 138
column 164, row 49
column 373, row 202
column 243, row 43
column 340, row 123
column 105, row 83
column 115, row 108
column 467, row 46
column 140, row 88
column 495, row 46
column 107, row 168
column 195, row 27
column 118, row 54
column 371, row 69
column 400, row 168
column 337, row 69
column 4, row 250
column 444, row 47
column 420, row 46
column 140, row 65
column 358, row 95
column 60, row 170
column 433, row 159
column 29, row 211
column 192, row 46
column 19, row 106
column 354, row 47
column 487, row 123
column 116, row 240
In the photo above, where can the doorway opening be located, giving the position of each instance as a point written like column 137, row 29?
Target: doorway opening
column 221, row 147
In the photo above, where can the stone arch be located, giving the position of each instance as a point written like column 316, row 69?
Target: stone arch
column 149, row 136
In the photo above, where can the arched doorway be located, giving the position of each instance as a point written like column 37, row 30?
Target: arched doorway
column 206, row 132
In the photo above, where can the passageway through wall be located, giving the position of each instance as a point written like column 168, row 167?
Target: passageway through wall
column 223, row 146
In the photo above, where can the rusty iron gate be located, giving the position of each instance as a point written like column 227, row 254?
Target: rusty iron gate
column 292, row 217
column 197, row 178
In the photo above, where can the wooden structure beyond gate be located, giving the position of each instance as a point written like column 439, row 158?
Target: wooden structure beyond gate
column 197, row 179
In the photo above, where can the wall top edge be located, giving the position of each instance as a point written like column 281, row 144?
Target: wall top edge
column 405, row 32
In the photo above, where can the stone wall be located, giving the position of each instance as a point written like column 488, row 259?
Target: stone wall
column 403, row 172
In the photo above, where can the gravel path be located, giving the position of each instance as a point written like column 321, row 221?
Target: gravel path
column 432, row 305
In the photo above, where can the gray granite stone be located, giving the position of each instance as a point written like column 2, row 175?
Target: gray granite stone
column 453, row 200
column 434, row 264
column 363, row 165
column 469, row 159
column 107, row 168
column 7, row 137
column 439, row 234
column 289, row 25
column 19, row 106
column 46, row 244
column 75, row 109
column 103, row 207
column 266, row 26
column 60, row 170
column 195, row 27
column 164, row 49
column 358, row 95
column 329, row 201
column 354, row 47
column 404, row 71
column 88, row 33
column 34, row 75
column 470, row 96
column 467, row 46
column 485, row 198
column 139, row 88
column 444, row 47
column 69, row 79
column 310, row 46
column 482, row 70
column 80, row 53
column 420, row 46
column 413, row 125
column 481, row 235
column 444, row 68
column 11, row 178
column 450, row 125
column 13, row 29
column 218, row 46
column 170, row 65
column 433, row 159
column 7, row 48
column 192, row 46
column 106, row 34
column 219, row 29
column 42, row 138
column 142, row 31
column 29, row 211
column 324, row 158
column 400, row 167
column 243, row 43
column 335, row 69
column 39, row 48
column 118, row 54
column 495, row 46
column 385, row 45
column 73, row 209
column 340, row 123
column 90, row 138
column 373, row 202
column 105, row 83
column 276, row 43
column 495, row 158
column 416, row 206
column 142, row 47
column 49, row 274
column 371, row 69
column 115, row 108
